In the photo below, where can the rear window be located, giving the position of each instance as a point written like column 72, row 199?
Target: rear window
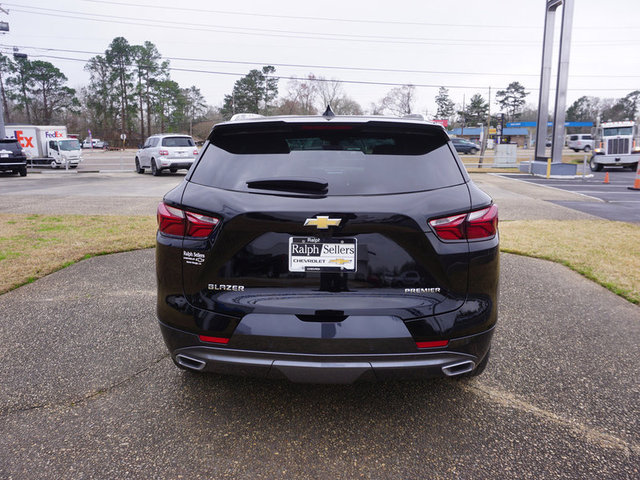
column 178, row 142
column 351, row 159
column 11, row 145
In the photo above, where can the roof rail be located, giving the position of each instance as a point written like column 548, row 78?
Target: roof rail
column 245, row 116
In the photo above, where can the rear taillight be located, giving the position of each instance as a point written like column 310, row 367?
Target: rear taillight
column 163, row 153
column 195, row 152
column 433, row 344
column 207, row 339
column 175, row 221
column 467, row 226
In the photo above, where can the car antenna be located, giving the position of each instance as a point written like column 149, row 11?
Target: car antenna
column 328, row 112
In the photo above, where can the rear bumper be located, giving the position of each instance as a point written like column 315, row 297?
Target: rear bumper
column 617, row 159
column 189, row 352
column 175, row 163
column 13, row 165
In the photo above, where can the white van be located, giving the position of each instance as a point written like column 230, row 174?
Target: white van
column 581, row 141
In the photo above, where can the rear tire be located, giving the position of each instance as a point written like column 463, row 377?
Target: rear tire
column 587, row 149
column 23, row 171
column 139, row 169
column 594, row 166
column 173, row 170
column 155, row 171
column 473, row 151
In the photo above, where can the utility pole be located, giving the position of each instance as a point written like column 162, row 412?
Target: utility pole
column 4, row 27
column 486, row 137
column 464, row 116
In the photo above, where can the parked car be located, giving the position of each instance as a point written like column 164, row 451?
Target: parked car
column 166, row 152
column 97, row 143
column 12, row 157
column 338, row 204
column 582, row 141
column 465, row 146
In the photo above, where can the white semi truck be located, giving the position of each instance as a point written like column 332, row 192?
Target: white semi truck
column 47, row 145
column 615, row 143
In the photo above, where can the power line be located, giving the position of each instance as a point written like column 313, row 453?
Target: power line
column 351, row 82
column 266, row 32
column 349, row 20
column 323, row 19
column 328, row 67
column 115, row 19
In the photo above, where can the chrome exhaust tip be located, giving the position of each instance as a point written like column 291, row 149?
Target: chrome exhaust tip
column 458, row 368
column 190, row 362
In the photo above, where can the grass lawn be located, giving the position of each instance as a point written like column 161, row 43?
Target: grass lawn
column 604, row 251
column 32, row 246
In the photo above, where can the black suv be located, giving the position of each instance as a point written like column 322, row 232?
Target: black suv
column 12, row 157
column 328, row 249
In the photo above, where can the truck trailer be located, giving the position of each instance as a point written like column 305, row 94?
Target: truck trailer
column 47, row 145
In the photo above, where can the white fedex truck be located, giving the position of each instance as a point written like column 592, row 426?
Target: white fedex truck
column 47, row 144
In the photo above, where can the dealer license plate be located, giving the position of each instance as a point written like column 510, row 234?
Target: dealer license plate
column 310, row 254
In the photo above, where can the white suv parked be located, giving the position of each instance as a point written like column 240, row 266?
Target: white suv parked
column 583, row 141
column 166, row 152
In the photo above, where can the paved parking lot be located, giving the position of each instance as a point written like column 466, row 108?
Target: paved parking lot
column 615, row 200
column 88, row 390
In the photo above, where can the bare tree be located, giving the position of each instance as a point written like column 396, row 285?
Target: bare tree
column 399, row 100
column 330, row 92
column 301, row 97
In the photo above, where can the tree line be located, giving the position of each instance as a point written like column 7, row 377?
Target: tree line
column 130, row 91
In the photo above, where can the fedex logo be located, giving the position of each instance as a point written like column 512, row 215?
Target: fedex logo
column 25, row 142
column 54, row 134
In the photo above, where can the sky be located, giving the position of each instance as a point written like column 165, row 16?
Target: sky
column 373, row 46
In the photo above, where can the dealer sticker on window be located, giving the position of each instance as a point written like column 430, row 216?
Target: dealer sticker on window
column 310, row 254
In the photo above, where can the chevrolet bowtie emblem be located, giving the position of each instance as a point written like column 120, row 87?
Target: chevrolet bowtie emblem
column 322, row 223
column 340, row 261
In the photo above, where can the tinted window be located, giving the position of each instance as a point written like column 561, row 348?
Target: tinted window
column 11, row 145
column 177, row 142
column 573, row 138
column 358, row 160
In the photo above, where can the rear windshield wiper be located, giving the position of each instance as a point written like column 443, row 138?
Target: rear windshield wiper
column 294, row 184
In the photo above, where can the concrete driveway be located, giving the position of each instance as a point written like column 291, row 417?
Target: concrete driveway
column 88, row 390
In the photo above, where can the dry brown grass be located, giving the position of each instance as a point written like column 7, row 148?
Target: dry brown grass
column 32, row 246
column 604, row 251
